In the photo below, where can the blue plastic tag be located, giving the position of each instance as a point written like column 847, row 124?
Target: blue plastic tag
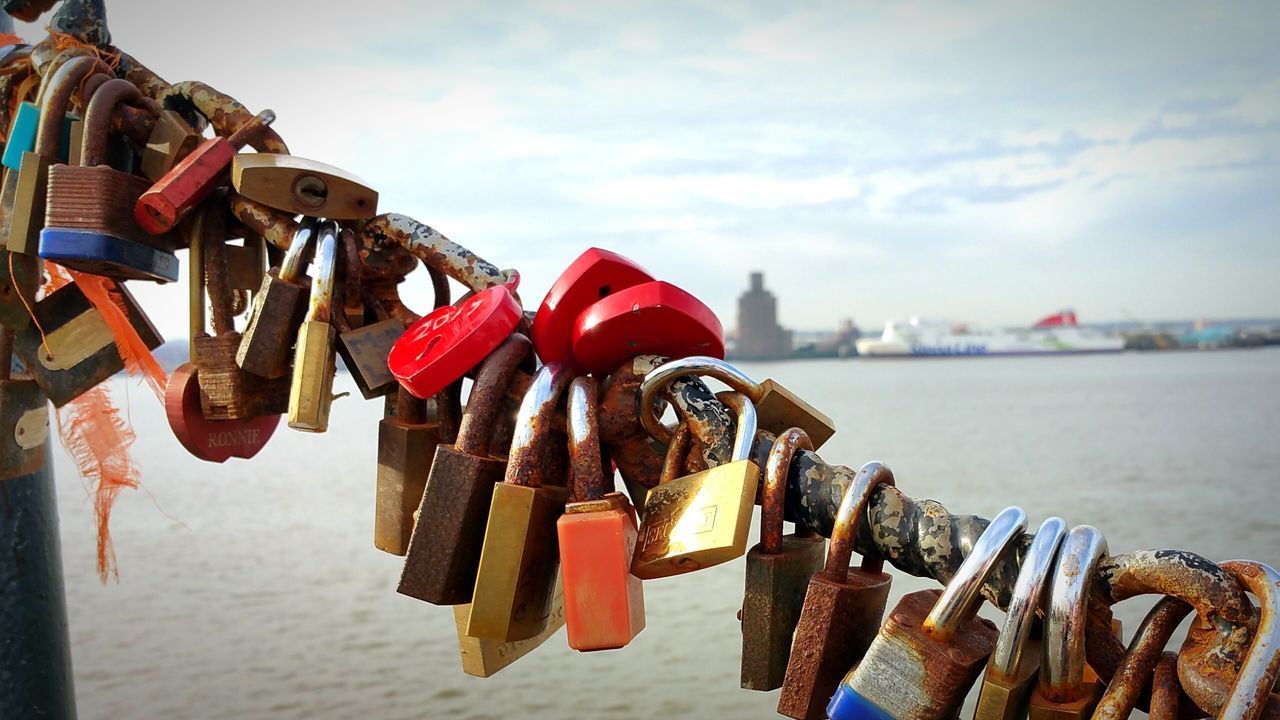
column 99, row 254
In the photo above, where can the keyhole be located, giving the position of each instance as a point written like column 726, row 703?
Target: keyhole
column 310, row 191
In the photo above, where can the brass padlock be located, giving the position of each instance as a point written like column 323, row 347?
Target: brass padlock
column 302, row 187
column 69, row 348
column 703, row 519
column 519, row 558
column 172, row 139
column 1065, row 688
column 33, row 178
column 406, row 445
column 278, row 311
column 311, row 389
column 932, row 646
column 842, row 607
column 440, row 565
column 484, row 658
column 779, row 570
column 19, row 273
column 777, row 407
column 226, row 391
column 1011, row 672
column 24, row 417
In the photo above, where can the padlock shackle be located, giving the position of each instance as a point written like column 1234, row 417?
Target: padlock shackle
column 97, row 119
column 673, row 461
column 534, row 424
column 209, row 267
column 1028, row 589
column 853, row 510
column 1126, row 685
column 962, row 595
column 1261, row 668
column 320, row 301
column 744, row 434
column 294, row 262
column 249, row 131
column 55, row 98
column 488, row 392
column 773, row 498
column 661, row 377
column 1063, row 659
column 586, row 462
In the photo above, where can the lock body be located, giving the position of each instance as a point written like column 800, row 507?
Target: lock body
column 226, row 391
column 364, row 350
column 779, row 409
column 604, row 602
column 278, row 311
column 171, row 140
column 482, row 657
column 405, row 451
column 518, row 563
column 771, row 605
column 300, row 186
column 24, row 427
column 1003, row 697
column 697, row 521
column 311, row 388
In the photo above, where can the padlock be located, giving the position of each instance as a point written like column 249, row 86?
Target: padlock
column 33, row 176
column 89, row 223
column 119, row 153
column 19, row 273
column 1251, row 691
column 351, row 277
column 172, row 139
column 245, row 268
column 485, row 658
column 1066, row 687
column 595, row 274
column 194, row 178
column 932, row 647
column 278, row 310
column 211, row 440
column 444, row 549
column 28, row 11
column 700, row 520
column 303, row 187
column 519, row 559
column 779, row 570
column 226, row 391
column 842, row 607
column 777, row 407
column 1011, row 672
column 69, row 348
column 1166, row 692
column 406, row 444
column 22, row 134
column 604, row 602
column 653, row 318
column 1131, row 677
column 443, row 346
column 24, row 417
column 311, row 389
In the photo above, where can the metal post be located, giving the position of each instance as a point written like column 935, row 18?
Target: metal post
column 35, row 649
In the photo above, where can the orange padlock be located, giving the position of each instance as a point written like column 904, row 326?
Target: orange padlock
column 603, row 601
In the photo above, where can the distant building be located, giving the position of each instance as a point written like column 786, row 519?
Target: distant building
column 760, row 337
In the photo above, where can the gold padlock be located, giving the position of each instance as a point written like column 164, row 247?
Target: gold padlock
column 311, row 390
column 484, row 658
column 519, row 559
column 702, row 519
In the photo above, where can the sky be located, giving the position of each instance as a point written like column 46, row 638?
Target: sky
column 990, row 162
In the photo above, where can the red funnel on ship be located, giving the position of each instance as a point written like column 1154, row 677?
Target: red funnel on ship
column 1066, row 317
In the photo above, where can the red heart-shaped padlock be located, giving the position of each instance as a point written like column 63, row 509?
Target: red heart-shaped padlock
column 442, row 347
column 595, row 274
column 654, row 318
column 211, row 440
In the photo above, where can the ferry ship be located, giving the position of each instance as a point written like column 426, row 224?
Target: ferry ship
column 1053, row 335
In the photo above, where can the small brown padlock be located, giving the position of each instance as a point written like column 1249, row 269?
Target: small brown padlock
column 440, row 565
column 779, row 569
column 278, row 311
column 842, row 607
column 519, row 559
column 406, row 445
column 226, row 391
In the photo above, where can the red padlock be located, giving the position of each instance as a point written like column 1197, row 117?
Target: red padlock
column 655, row 318
column 595, row 274
column 211, row 440
column 189, row 182
column 440, row 348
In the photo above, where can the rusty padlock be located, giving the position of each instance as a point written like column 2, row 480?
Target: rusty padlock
column 444, row 549
column 278, row 310
column 779, row 569
column 1251, row 692
column 1140, row 660
column 842, row 607
column 932, row 646
column 406, row 445
column 1011, row 672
